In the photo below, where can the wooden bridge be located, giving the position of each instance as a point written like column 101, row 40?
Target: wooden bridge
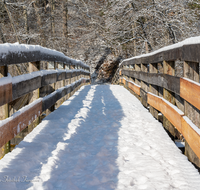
column 101, row 137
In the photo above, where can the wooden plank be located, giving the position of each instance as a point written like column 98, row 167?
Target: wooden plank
column 124, row 81
column 190, row 91
column 191, row 71
column 153, row 88
column 190, row 53
column 172, row 115
column 10, row 129
column 68, row 75
column 138, row 68
column 143, row 95
column 4, row 113
column 136, row 89
column 24, row 87
column 169, row 68
column 61, row 75
column 154, row 101
column 49, row 79
column 5, row 94
column 171, row 83
column 191, row 136
column 131, row 86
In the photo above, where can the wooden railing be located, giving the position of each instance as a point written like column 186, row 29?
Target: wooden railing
column 63, row 83
column 167, row 82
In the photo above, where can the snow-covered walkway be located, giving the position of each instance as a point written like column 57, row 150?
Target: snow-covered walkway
column 101, row 138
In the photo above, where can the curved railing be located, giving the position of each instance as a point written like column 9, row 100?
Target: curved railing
column 63, row 82
column 167, row 81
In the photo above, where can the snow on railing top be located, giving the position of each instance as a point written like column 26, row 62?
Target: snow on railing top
column 22, row 53
column 166, row 49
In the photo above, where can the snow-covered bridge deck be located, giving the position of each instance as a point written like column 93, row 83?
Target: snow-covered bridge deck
column 101, row 138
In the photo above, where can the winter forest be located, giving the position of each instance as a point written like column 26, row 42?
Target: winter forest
column 99, row 31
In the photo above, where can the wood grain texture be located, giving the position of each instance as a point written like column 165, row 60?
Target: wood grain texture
column 24, row 87
column 20, row 122
column 191, row 136
column 154, row 101
column 61, row 76
column 5, row 94
column 190, row 91
column 134, row 88
column 172, row 115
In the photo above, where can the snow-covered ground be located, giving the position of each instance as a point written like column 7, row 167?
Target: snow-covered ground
column 101, row 138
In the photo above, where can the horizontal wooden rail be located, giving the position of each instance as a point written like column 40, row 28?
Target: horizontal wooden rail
column 187, row 89
column 169, row 82
column 182, row 123
column 18, row 91
column 13, row 125
column 24, row 84
column 23, row 53
column 172, row 73
column 181, row 51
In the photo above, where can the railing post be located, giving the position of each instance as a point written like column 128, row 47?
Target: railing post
column 153, row 68
column 191, row 71
column 169, row 68
column 34, row 66
column 137, row 68
column 4, row 112
column 51, row 87
column 144, row 87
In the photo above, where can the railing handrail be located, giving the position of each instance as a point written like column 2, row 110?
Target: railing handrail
column 184, row 51
column 153, row 79
column 23, row 53
column 55, row 85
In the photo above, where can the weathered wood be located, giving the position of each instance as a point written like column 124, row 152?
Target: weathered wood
column 134, row 88
column 61, row 75
column 138, row 68
column 4, row 112
column 144, row 86
column 169, row 68
column 192, row 138
column 5, row 94
column 35, row 94
column 190, row 91
column 49, row 79
column 171, row 83
column 154, row 101
column 10, row 129
column 172, row 115
column 24, row 87
column 143, row 95
column 153, row 70
column 166, row 81
column 11, row 58
column 191, row 71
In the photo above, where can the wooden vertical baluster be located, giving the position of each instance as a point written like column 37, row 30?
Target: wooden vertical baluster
column 34, row 66
column 4, row 112
column 51, row 87
column 144, row 87
column 153, row 68
column 160, row 70
column 169, row 68
column 137, row 68
column 191, row 71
